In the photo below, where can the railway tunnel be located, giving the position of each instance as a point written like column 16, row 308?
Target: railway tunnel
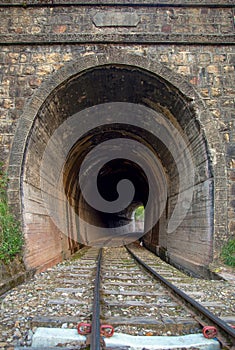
column 124, row 105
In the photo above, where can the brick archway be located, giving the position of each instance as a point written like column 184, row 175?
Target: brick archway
column 195, row 107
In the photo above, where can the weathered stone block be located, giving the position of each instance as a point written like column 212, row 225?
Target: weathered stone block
column 116, row 19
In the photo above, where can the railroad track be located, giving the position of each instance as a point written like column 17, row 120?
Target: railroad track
column 192, row 315
column 126, row 297
column 212, row 324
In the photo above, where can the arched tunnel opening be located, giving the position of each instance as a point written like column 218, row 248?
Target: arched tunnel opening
column 153, row 139
column 108, row 178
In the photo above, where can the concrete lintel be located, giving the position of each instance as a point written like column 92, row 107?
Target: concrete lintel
column 49, row 337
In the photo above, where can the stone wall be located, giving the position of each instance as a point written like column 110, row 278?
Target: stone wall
column 192, row 45
column 87, row 23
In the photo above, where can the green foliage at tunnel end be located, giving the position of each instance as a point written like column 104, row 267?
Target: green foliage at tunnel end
column 11, row 237
column 228, row 253
column 139, row 213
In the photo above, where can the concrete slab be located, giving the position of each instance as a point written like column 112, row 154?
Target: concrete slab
column 49, row 337
column 163, row 342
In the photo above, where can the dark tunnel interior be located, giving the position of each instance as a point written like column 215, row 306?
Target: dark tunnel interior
column 109, row 175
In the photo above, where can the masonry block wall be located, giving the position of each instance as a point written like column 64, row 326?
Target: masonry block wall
column 189, row 43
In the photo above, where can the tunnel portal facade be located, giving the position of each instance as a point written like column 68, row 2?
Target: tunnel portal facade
column 178, row 114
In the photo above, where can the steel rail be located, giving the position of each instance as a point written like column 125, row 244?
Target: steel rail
column 229, row 331
column 95, row 325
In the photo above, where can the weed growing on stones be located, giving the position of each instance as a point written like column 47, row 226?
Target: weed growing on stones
column 11, row 237
column 228, row 253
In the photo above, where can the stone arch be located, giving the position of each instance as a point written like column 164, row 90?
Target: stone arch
column 123, row 58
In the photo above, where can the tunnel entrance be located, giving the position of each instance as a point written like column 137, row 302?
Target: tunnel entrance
column 158, row 125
